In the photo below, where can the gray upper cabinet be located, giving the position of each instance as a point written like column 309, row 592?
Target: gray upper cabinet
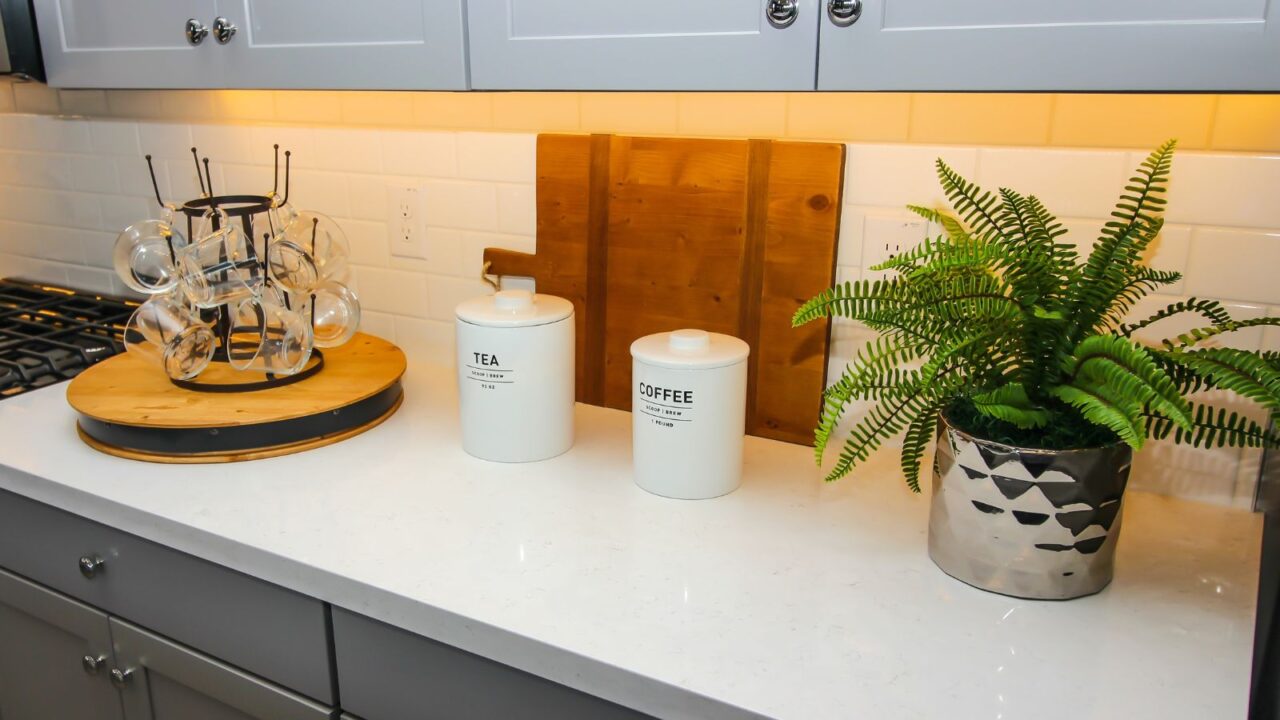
column 336, row 44
column 653, row 45
column 1050, row 45
column 55, row 656
column 129, row 44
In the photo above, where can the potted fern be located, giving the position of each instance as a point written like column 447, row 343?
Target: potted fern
column 1000, row 341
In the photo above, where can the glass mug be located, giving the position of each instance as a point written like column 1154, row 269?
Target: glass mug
column 335, row 314
column 220, row 269
column 311, row 251
column 145, row 256
column 268, row 337
column 166, row 331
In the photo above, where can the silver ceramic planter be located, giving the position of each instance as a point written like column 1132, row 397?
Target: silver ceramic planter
column 1040, row 524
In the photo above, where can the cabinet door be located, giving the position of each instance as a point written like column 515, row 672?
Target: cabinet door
column 372, row 44
column 44, row 638
column 167, row 681
column 131, row 44
column 653, row 45
column 1053, row 45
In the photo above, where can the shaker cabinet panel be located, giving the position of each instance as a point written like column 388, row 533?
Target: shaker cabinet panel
column 167, row 681
column 654, row 45
column 337, row 44
column 1050, row 45
column 389, row 674
column 129, row 44
column 45, row 639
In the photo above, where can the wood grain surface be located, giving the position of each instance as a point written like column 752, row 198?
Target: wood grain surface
column 647, row 235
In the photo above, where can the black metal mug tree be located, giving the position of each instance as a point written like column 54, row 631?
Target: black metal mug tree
column 244, row 207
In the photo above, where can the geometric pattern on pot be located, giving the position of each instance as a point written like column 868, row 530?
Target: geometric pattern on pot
column 1023, row 522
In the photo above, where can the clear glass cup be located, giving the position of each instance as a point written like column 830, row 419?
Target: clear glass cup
column 145, row 254
column 335, row 314
column 268, row 337
column 281, row 214
column 168, row 332
column 220, row 269
column 311, row 251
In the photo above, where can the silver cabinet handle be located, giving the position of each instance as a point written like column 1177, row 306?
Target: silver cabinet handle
column 844, row 13
column 223, row 30
column 196, row 31
column 120, row 678
column 92, row 664
column 781, row 13
column 90, row 565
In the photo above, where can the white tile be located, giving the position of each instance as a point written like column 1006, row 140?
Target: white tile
column 1083, row 183
column 1083, row 233
column 298, row 141
column 393, row 291
column 115, row 137
column 517, row 209
column 381, row 324
column 886, row 234
column 184, row 183
column 165, row 140
column 430, row 154
column 49, row 207
column 849, row 242
column 44, row 170
column 368, row 241
column 1218, row 189
column 324, row 192
column 44, row 242
column 898, row 175
column 17, row 132
column 474, row 244
column 504, row 157
column 447, row 292
column 247, row 179
column 32, row 269
column 93, row 279
column 1171, row 327
column 228, row 144
column 120, row 212
column 465, row 205
column 93, row 173
column 97, row 248
column 1234, row 264
column 426, row 340
column 367, row 195
column 134, row 178
column 1170, row 252
column 345, row 150
column 62, row 135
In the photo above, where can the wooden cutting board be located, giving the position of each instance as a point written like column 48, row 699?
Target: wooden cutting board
column 647, row 235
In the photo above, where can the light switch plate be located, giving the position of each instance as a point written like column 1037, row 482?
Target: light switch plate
column 406, row 221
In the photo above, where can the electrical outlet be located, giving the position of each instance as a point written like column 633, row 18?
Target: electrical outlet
column 406, row 224
column 884, row 238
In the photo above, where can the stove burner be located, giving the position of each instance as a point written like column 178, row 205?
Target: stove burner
column 49, row 334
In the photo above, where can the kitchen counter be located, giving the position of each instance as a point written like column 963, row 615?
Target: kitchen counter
column 789, row 598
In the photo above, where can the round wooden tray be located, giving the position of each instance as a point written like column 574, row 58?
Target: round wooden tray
column 129, row 408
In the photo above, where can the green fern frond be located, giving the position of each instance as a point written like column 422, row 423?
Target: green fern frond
column 1011, row 404
column 1215, row 427
column 1211, row 310
column 1240, row 371
column 1197, row 335
column 975, row 206
column 949, row 225
column 922, row 429
column 1103, row 406
column 1120, row 365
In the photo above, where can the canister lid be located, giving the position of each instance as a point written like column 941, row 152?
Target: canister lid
column 689, row 349
column 514, row 308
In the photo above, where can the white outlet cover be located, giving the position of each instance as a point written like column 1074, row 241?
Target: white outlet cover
column 884, row 237
column 406, row 221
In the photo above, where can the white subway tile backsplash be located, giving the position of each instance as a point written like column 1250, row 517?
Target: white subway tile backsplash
column 898, row 175
column 367, row 195
column 115, row 137
column 347, row 150
column 1170, row 328
column 247, row 179
column 376, row 323
column 93, row 279
column 318, row 190
column 1223, row 189
column 447, row 292
column 368, row 241
column 120, row 212
column 225, row 144
column 93, row 173
column 166, row 140
column 392, row 291
column 55, row 134
column 517, row 209
column 1081, row 183
column 433, row 154
column 1170, row 252
column 298, row 141
column 429, row 341
column 133, row 177
column 502, row 157
column 465, row 205
column 474, row 244
column 1234, row 264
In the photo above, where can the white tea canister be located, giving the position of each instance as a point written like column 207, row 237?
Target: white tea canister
column 516, row 375
column 689, row 406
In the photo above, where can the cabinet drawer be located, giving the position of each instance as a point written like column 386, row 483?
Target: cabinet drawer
column 265, row 629
column 389, row 674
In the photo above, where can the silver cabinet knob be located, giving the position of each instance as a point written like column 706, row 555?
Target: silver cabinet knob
column 223, row 30
column 844, row 13
column 92, row 664
column 781, row 13
column 120, row 678
column 196, row 31
column 90, row 565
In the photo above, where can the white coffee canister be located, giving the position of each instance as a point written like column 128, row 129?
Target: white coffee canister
column 689, row 406
column 516, row 375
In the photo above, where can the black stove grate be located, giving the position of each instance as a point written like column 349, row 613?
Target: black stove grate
column 49, row 334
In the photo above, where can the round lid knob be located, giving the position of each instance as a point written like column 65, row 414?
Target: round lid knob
column 513, row 300
column 689, row 341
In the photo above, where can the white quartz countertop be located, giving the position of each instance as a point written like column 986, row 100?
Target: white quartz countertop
column 789, row 598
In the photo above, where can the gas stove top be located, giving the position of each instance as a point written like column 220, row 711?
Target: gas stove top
column 49, row 334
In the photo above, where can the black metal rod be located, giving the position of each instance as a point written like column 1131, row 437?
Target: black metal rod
column 287, row 153
column 196, row 157
column 151, row 168
column 207, row 176
column 275, row 181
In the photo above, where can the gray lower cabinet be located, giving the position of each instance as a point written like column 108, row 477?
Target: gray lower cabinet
column 55, row 656
column 166, row 681
column 389, row 674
